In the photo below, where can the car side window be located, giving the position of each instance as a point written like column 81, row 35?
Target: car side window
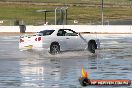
column 70, row 33
column 46, row 32
column 66, row 32
column 61, row 33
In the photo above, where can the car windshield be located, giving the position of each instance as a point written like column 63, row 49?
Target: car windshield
column 46, row 32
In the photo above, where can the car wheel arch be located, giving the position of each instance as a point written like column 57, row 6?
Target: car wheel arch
column 55, row 42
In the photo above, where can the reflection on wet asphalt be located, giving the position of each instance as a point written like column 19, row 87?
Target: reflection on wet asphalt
column 30, row 69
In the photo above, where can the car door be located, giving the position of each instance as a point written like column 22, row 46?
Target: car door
column 67, row 39
column 62, row 39
column 74, row 40
column 71, row 39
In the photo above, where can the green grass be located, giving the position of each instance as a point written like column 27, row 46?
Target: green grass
column 72, row 1
column 84, row 14
column 22, row 12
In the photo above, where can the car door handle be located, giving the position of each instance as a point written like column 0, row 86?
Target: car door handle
column 67, row 38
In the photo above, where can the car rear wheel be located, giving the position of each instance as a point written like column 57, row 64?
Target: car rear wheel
column 54, row 49
column 91, row 47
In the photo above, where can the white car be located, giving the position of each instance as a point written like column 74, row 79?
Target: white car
column 58, row 40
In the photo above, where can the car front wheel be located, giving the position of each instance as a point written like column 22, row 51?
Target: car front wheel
column 92, row 47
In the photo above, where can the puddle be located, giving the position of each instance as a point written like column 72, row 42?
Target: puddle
column 31, row 69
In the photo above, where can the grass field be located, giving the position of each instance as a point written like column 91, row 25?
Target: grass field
column 74, row 1
column 78, row 10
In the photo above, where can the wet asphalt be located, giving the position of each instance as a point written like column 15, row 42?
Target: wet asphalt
column 31, row 69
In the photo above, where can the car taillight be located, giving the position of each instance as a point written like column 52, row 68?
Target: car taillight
column 35, row 39
column 21, row 40
column 38, row 39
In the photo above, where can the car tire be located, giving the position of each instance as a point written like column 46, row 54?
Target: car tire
column 54, row 49
column 91, row 47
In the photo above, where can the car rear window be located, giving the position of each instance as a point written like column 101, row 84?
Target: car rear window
column 46, row 32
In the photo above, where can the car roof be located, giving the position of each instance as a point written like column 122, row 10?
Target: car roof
column 57, row 29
